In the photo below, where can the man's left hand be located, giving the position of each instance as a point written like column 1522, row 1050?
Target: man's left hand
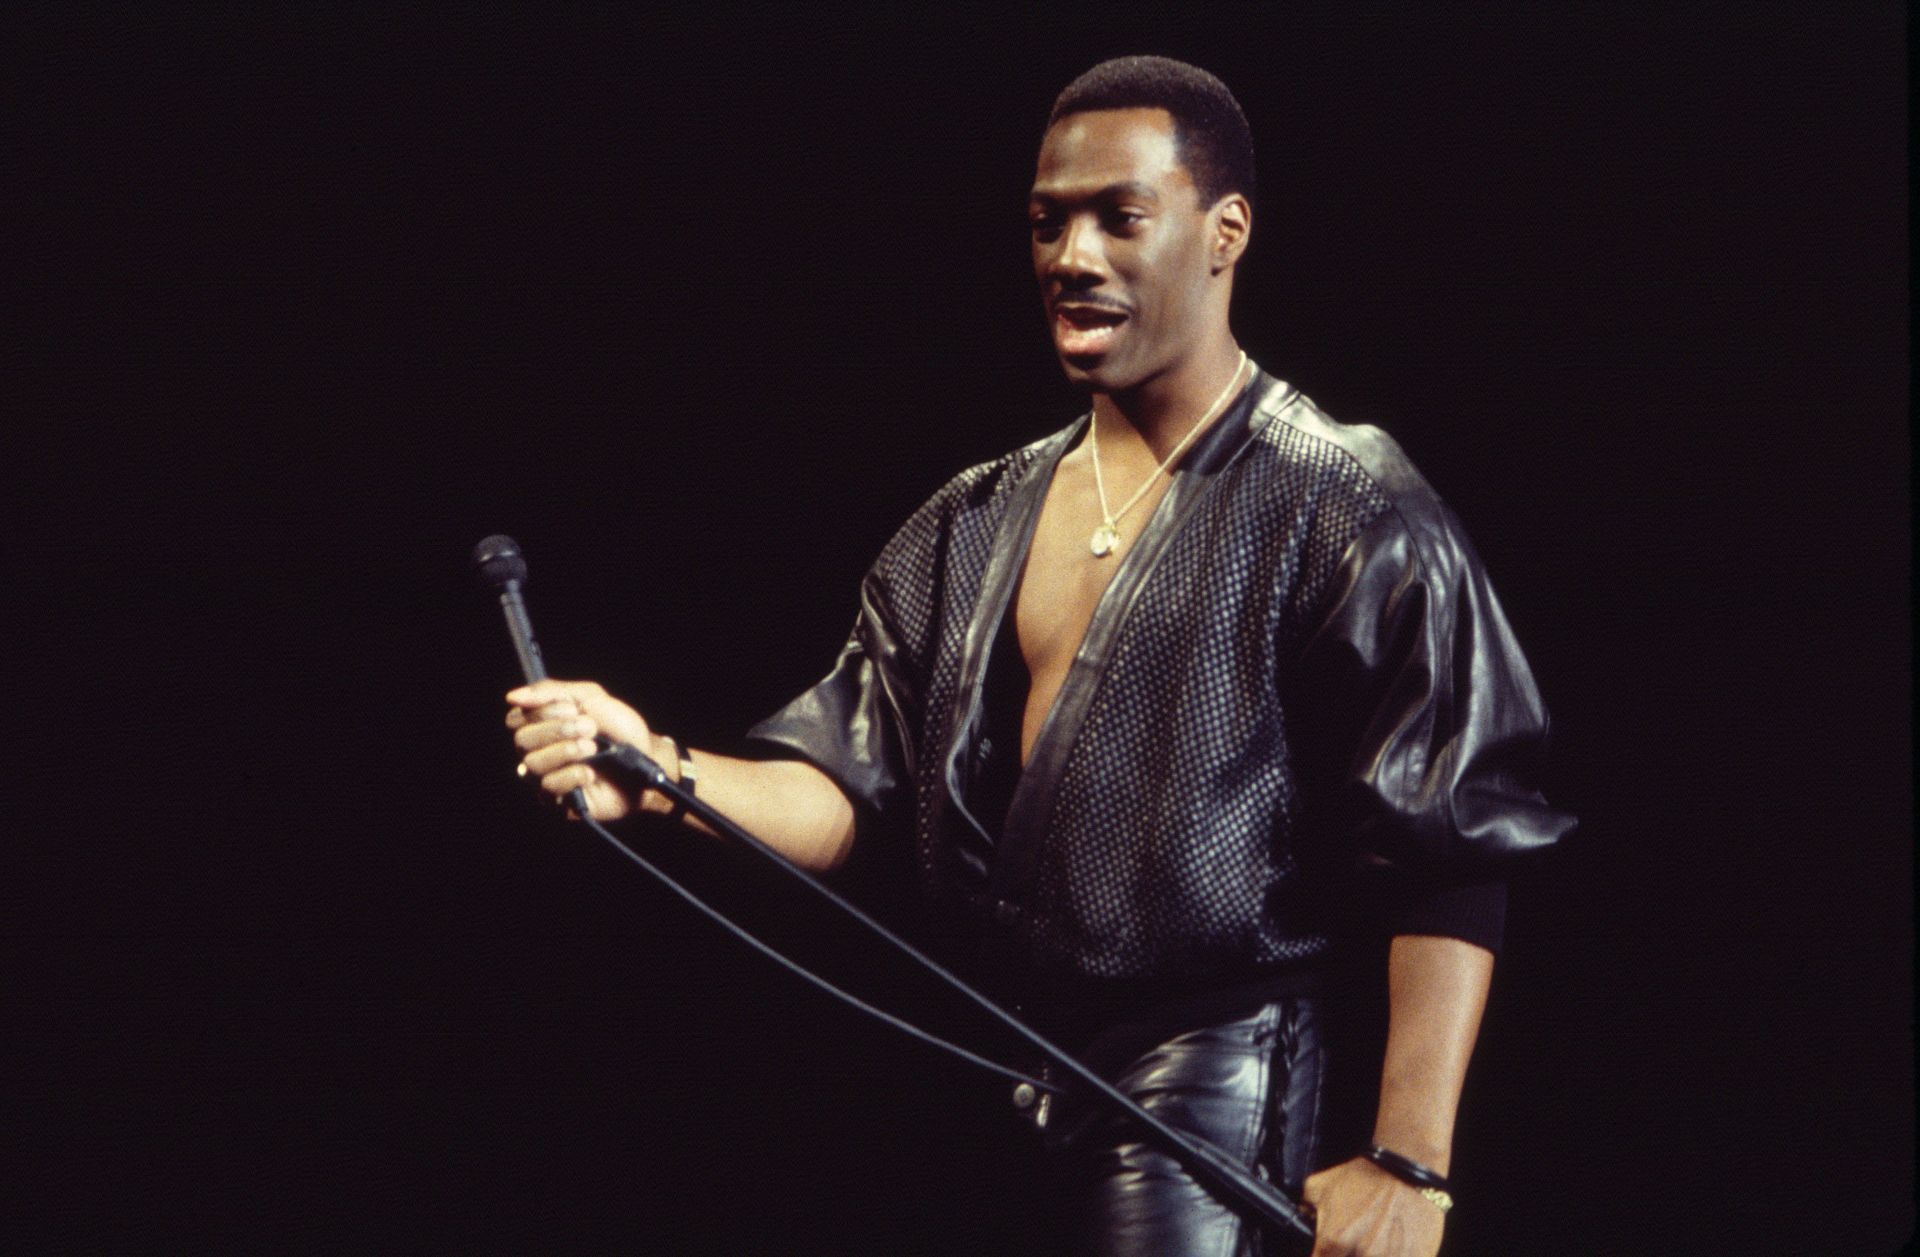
column 1360, row 1210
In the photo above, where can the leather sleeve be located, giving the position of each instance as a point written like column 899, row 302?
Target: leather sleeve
column 854, row 725
column 1429, row 732
column 861, row 724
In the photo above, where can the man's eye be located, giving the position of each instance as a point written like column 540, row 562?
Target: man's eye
column 1125, row 218
column 1044, row 225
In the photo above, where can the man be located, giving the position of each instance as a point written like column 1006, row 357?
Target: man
column 1179, row 704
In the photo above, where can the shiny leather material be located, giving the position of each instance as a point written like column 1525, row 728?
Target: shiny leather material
column 1299, row 670
column 1444, row 732
column 1252, row 1087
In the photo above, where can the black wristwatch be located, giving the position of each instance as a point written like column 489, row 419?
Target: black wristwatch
column 1429, row 1184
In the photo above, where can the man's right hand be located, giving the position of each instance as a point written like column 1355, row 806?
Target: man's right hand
column 554, row 724
column 788, row 804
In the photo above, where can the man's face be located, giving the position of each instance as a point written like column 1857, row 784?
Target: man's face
column 1120, row 246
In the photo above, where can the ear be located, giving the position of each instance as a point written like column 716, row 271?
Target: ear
column 1232, row 224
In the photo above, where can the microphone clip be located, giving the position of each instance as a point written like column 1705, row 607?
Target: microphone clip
column 629, row 768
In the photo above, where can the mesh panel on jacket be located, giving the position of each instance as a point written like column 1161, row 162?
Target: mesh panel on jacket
column 1169, row 850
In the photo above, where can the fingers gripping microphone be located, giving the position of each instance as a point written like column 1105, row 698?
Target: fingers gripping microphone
column 501, row 566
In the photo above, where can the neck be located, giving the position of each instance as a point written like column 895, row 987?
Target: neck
column 1163, row 409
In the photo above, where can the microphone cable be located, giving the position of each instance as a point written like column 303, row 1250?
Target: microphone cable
column 801, row 971
column 500, row 565
column 631, row 767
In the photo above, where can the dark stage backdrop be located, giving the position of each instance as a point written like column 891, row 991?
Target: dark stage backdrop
column 699, row 309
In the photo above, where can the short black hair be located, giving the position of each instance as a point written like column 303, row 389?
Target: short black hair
column 1210, row 131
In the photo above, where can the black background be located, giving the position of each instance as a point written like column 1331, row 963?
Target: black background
column 699, row 309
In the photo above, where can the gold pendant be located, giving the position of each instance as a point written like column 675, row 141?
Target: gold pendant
column 1105, row 538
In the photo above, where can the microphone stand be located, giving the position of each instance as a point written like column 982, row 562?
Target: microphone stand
column 635, row 770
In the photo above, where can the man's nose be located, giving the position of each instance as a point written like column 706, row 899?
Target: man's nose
column 1078, row 260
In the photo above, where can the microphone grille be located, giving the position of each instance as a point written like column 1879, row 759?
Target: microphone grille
column 498, row 561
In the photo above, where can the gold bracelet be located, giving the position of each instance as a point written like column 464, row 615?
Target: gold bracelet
column 686, row 778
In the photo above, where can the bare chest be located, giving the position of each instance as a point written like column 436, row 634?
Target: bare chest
column 1063, row 581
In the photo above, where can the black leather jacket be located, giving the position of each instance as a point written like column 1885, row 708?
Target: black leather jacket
column 1298, row 671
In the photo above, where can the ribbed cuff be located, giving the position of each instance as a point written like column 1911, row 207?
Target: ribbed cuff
column 1475, row 912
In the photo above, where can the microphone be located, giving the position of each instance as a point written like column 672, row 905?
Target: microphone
column 500, row 565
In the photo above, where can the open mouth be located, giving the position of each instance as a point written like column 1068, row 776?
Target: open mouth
column 1081, row 330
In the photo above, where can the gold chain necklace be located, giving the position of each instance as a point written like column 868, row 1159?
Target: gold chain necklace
column 1107, row 535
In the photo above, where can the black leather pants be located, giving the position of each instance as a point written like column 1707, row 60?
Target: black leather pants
column 1251, row 1085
